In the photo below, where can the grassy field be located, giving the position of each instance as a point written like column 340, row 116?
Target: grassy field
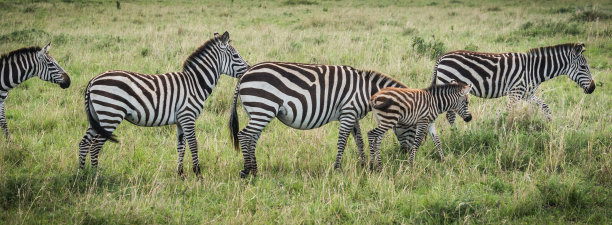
column 500, row 168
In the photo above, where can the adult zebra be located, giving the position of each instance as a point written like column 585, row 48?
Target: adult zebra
column 157, row 100
column 304, row 96
column 22, row 64
column 518, row 75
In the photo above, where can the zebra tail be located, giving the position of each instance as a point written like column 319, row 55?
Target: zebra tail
column 384, row 105
column 95, row 124
column 434, row 79
column 233, row 121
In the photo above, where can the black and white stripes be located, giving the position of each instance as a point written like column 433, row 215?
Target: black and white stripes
column 20, row 65
column 515, row 74
column 304, row 96
column 157, row 100
column 415, row 110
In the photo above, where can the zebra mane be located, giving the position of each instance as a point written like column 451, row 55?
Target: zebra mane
column 20, row 51
column 383, row 76
column 567, row 46
column 200, row 50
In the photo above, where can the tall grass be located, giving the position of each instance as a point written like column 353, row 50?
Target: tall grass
column 503, row 167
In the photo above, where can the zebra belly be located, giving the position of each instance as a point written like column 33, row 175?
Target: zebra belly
column 291, row 120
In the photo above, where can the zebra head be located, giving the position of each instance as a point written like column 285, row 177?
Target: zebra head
column 460, row 106
column 231, row 62
column 50, row 70
column 579, row 71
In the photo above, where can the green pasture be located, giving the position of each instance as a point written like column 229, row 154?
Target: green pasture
column 503, row 167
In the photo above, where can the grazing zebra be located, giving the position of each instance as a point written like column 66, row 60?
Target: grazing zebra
column 156, row 100
column 304, row 96
column 22, row 64
column 515, row 74
column 415, row 109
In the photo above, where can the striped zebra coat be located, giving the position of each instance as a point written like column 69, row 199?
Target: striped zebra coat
column 157, row 100
column 303, row 96
column 517, row 75
column 415, row 109
column 22, row 64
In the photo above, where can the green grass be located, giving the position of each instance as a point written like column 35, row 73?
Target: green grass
column 503, row 167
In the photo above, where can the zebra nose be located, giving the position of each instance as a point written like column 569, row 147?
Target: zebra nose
column 66, row 82
column 468, row 118
column 590, row 88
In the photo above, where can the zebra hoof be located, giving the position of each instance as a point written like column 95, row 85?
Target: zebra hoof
column 338, row 168
column 362, row 163
column 244, row 174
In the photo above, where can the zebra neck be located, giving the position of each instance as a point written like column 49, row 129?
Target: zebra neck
column 442, row 99
column 545, row 65
column 205, row 77
column 15, row 70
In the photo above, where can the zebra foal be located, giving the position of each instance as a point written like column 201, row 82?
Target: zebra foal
column 157, row 100
column 22, row 64
column 415, row 109
column 303, row 96
column 517, row 75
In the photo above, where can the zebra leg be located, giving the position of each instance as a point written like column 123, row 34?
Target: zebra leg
column 513, row 97
column 252, row 155
column 180, row 148
column 347, row 124
column 248, row 142
column 419, row 136
column 541, row 104
column 97, row 144
column 188, row 127
column 245, row 146
column 451, row 116
column 404, row 135
column 85, row 145
column 3, row 95
column 374, row 138
column 359, row 141
column 436, row 140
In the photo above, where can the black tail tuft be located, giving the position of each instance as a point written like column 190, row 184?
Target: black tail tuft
column 95, row 124
column 234, row 123
column 384, row 105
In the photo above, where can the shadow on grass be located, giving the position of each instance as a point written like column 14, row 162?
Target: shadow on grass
column 21, row 189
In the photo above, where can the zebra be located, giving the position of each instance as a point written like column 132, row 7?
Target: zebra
column 25, row 63
column 157, row 100
column 303, row 96
column 415, row 109
column 517, row 75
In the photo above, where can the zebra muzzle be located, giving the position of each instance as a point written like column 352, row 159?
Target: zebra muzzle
column 66, row 82
column 467, row 118
column 590, row 88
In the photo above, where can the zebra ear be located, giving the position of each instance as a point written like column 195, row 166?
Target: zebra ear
column 216, row 35
column 44, row 51
column 46, row 48
column 580, row 48
column 225, row 38
column 466, row 90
